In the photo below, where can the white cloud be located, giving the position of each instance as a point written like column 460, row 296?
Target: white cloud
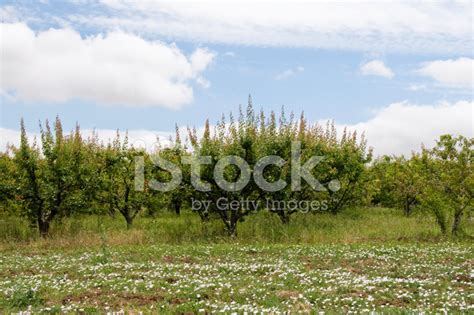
column 452, row 72
column 58, row 65
column 402, row 26
column 9, row 13
column 416, row 87
column 378, row 68
column 401, row 128
column 200, row 59
column 203, row 82
column 289, row 73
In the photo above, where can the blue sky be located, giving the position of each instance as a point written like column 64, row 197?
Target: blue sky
column 366, row 66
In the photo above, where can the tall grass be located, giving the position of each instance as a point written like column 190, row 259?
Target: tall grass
column 351, row 226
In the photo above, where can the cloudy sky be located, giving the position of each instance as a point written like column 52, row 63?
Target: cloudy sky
column 400, row 71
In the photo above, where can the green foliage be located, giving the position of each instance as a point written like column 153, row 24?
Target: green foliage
column 10, row 202
column 254, row 137
column 51, row 179
column 65, row 175
column 440, row 180
column 176, row 198
column 449, row 182
column 117, row 182
column 397, row 182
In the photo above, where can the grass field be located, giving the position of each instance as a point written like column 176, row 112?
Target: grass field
column 351, row 226
column 230, row 278
column 360, row 261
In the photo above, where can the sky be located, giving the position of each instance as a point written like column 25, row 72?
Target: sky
column 402, row 72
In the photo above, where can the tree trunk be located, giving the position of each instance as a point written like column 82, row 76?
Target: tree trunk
column 43, row 227
column 111, row 212
column 204, row 215
column 232, row 229
column 408, row 205
column 441, row 220
column 129, row 220
column 284, row 217
column 457, row 222
column 406, row 208
column 232, row 224
column 177, row 208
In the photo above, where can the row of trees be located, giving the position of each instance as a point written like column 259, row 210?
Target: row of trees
column 66, row 174
column 440, row 180
column 253, row 138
